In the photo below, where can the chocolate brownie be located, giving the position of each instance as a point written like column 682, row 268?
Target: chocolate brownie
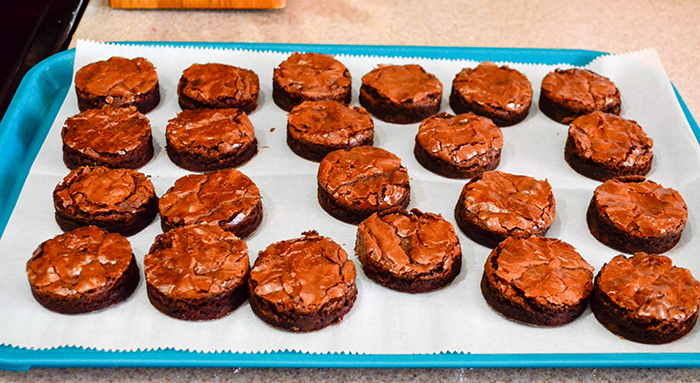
column 83, row 270
column 310, row 77
column 118, row 82
column 414, row 252
column 197, row 272
column 538, row 281
column 461, row 146
column 645, row 298
column 567, row 94
column 500, row 93
column 497, row 205
column 316, row 128
column 210, row 139
column 225, row 197
column 401, row 94
column 214, row 86
column 633, row 214
column 354, row 183
column 117, row 200
column 302, row 284
column 112, row 137
column 603, row 146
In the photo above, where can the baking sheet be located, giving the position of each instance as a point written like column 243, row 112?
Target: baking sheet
column 477, row 329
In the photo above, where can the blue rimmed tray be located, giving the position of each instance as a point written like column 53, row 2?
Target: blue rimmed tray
column 32, row 112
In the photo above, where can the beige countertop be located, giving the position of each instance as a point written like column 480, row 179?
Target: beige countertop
column 616, row 26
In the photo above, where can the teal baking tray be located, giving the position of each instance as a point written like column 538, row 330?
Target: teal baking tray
column 32, row 112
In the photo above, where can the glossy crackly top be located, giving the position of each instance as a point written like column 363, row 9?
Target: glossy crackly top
column 364, row 176
column 650, row 286
column 212, row 82
column 641, row 206
column 107, row 130
column 117, row 77
column 494, row 87
column 404, row 83
column 580, row 87
column 330, row 123
column 316, row 76
column 196, row 261
column 303, row 274
column 548, row 270
column 219, row 130
column 79, row 261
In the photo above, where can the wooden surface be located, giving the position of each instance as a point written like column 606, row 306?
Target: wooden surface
column 198, row 4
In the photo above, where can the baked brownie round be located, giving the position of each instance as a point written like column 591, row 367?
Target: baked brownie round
column 316, row 128
column 538, row 281
column 645, row 299
column 603, row 146
column 215, row 86
column 210, row 139
column 225, row 197
column 354, row 183
column 461, row 146
column 118, row 82
column 310, row 77
column 567, row 94
column 117, row 200
column 633, row 214
column 414, row 252
column 500, row 93
column 401, row 94
column 302, row 284
column 84, row 270
column 497, row 205
column 197, row 272
column 112, row 137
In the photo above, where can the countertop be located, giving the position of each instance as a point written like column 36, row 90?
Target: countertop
column 616, row 26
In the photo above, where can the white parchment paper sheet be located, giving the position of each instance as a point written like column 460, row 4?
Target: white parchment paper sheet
column 455, row 318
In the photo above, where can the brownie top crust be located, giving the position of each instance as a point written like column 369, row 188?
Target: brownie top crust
column 117, row 77
column 637, row 205
column 303, row 274
column 364, row 177
column 100, row 190
column 580, row 88
column 107, row 130
column 409, row 242
column 508, row 204
column 316, row 76
column 211, row 82
column 330, row 123
column 606, row 137
column 493, row 87
column 547, row 270
column 196, row 261
column 404, row 83
column 216, row 130
column 459, row 138
column 649, row 286
column 79, row 261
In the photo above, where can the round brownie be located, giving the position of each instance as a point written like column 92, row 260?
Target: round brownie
column 567, row 94
column 310, row 77
column 401, row 94
column 225, row 197
column 112, row 137
column 118, row 82
column 645, row 298
column 84, row 270
column 302, row 284
column 210, row 139
column 414, row 252
column 633, row 214
column 500, row 93
column 316, row 128
column 497, row 205
column 197, row 272
column 354, row 183
column 461, row 146
column 214, row 86
column 538, row 281
column 603, row 146
column 117, row 200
